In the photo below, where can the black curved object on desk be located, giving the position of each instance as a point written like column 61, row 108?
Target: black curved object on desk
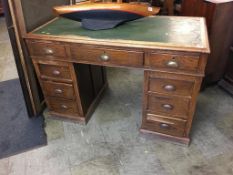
column 101, row 19
column 99, row 16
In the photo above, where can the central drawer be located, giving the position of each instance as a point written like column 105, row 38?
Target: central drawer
column 104, row 56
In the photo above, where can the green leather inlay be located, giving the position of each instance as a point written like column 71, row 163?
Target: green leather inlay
column 172, row 30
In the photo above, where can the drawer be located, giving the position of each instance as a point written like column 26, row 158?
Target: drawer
column 177, row 106
column 172, row 62
column 58, row 89
column 171, row 86
column 164, row 125
column 55, row 72
column 47, row 49
column 59, row 105
column 107, row 56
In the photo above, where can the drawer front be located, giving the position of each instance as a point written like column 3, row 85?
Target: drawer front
column 171, row 86
column 54, row 72
column 47, row 49
column 164, row 125
column 172, row 62
column 59, row 105
column 177, row 106
column 107, row 56
column 58, row 89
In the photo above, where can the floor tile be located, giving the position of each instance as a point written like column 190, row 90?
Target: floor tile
column 54, row 129
column 3, row 30
column 79, row 152
column 223, row 163
column 90, row 133
column 84, row 142
column 7, row 63
column 138, row 160
column 182, row 160
column 48, row 160
column 103, row 165
column 210, row 141
column 4, row 166
column 17, row 164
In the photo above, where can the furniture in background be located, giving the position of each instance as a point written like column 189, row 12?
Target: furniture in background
column 220, row 29
column 169, row 6
column 1, row 8
column 70, row 65
column 227, row 81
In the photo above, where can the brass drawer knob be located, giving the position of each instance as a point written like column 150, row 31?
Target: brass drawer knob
column 172, row 64
column 164, row 125
column 64, row 107
column 167, row 106
column 58, row 91
column 169, row 87
column 104, row 57
column 48, row 51
column 56, row 72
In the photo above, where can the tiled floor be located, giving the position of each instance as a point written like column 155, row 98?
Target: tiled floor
column 110, row 144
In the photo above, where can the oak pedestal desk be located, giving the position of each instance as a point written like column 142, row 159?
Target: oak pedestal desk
column 70, row 64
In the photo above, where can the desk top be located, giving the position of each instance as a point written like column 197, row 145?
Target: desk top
column 159, row 32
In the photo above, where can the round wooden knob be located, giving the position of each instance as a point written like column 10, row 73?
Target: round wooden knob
column 167, row 106
column 172, row 64
column 58, row 91
column 104, row 57
column 164, row 125
column 56, row 72
column 169, row 87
